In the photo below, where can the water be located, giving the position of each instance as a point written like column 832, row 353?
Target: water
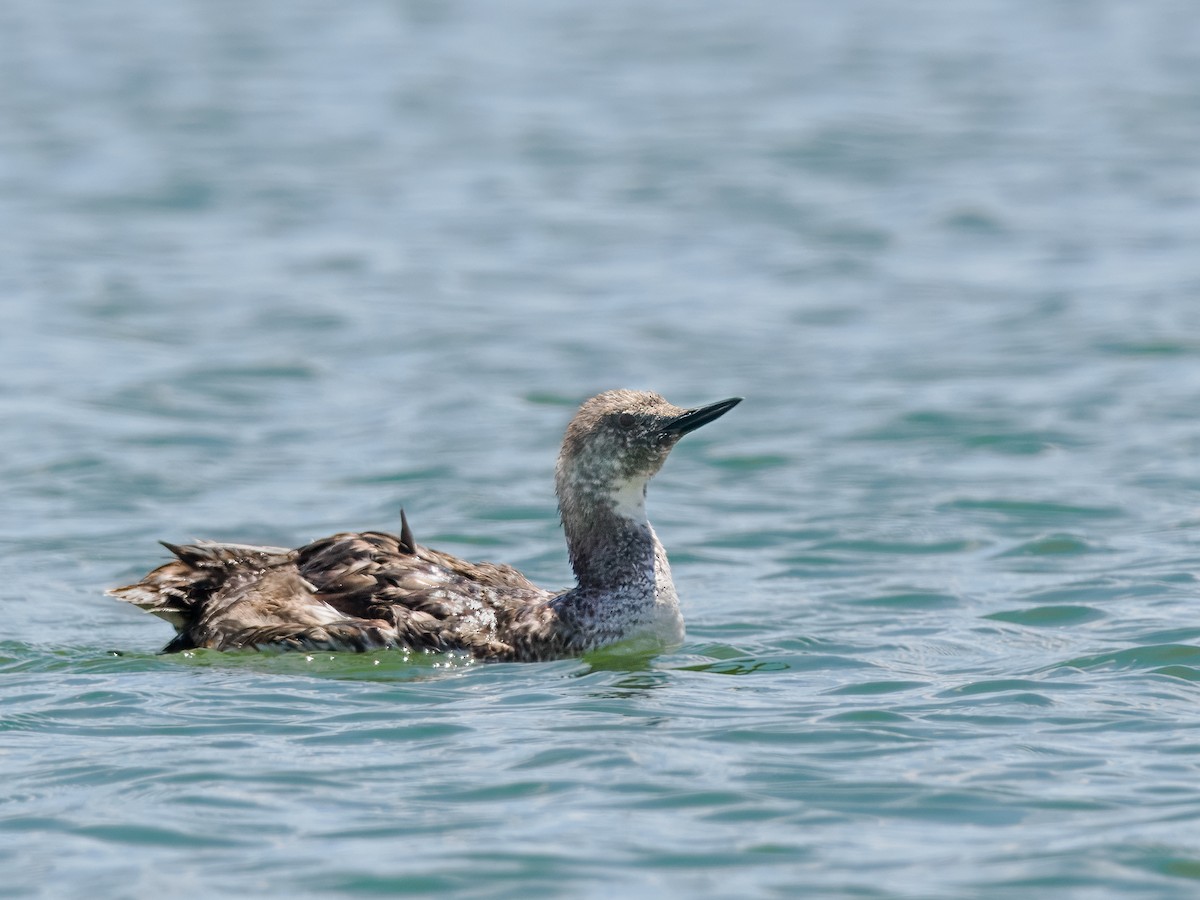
column 276, row 269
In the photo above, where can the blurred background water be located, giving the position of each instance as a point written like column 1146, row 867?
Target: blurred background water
column 274, row 269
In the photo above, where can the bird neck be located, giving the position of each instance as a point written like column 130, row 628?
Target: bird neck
column 609, row 538
column 625, row 588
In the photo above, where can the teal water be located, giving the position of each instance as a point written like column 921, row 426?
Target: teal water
column 275, row 269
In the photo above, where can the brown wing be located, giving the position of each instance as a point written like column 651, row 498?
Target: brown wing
column 434, row 600
column 352, row 591
column 357, row 572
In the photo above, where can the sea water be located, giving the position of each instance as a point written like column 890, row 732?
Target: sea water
column 275, row 269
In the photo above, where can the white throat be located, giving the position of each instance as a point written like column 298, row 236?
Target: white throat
column 629, row 499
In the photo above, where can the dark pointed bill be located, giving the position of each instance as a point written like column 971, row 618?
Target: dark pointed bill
column 694, row 418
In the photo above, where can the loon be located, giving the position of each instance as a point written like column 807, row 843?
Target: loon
column 367, row 591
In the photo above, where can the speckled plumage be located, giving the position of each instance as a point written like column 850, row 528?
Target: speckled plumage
column 371, row 590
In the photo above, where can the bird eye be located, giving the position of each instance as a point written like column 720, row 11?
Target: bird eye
column 625, row 420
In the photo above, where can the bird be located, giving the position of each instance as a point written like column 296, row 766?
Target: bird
column 373, row 590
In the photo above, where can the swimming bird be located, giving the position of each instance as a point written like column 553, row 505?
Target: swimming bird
column 365, row 591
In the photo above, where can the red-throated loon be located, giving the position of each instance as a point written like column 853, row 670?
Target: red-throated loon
column 370, row 590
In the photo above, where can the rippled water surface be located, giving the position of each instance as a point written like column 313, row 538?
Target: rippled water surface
column 275, row 269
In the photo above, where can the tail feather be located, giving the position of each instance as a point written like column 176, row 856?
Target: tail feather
column 198, row 570
column 162, row 600
column 407, row 542
column 214, row 555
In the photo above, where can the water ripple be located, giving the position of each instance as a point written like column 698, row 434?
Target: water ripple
column 269, row 276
